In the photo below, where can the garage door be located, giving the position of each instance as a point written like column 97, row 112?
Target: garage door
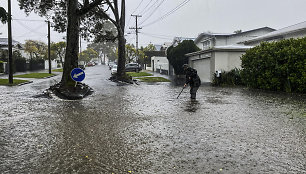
column 203, row 68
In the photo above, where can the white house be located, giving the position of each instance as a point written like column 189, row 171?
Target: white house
column 160, row 64
column 293, row 31
column 221, row 52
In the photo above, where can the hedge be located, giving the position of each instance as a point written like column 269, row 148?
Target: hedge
column 277, row 66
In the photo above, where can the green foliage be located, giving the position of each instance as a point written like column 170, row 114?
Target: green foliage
column 37, row 64
column 176, row 55
column 87, row 55
column 1, row 67
column 58, row 51
column 231, row 78
column 35, row 75
column 153, row 79
column 36, row 49
column 3, row 15
column 138, row 74
column 130, row 53
column 105, row 48
column 5, row 82
column 19, row 62
column 278, row 66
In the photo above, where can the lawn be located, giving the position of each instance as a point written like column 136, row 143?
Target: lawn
column 57, row 70
column 35, row 75
column 153, row 79
column 5, row 82
column 139, row 74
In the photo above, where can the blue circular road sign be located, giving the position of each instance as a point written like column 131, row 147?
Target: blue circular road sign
column 77, row 74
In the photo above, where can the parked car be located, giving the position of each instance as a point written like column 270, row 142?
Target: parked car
column 111, row 64
column 130, row 67
column 82, row 65
column 90, row 64
column 114, row 69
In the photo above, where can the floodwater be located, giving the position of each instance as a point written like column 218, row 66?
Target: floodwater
column 145, row 129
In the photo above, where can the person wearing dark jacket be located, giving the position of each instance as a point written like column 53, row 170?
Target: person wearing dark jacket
column 192, row 79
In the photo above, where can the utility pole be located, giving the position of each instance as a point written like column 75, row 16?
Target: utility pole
column 136, row 29
column 49, row 47
column 10, row 50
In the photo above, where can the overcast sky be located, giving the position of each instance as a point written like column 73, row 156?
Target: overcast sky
column 162, row 20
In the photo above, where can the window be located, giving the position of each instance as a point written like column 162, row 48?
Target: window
column 206, row 44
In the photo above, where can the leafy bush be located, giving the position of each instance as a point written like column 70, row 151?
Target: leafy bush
column 231, row 78
column 278, row 66
column 19, row 62
column 176, row 55
column 37, row 64
column 1, row 67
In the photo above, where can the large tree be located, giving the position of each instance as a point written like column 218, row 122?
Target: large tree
column 88, row 54
column 36, row 49
column 176, row 55
column 118, row 20
column 59, row 49
column 72, row 16
column 105, row 49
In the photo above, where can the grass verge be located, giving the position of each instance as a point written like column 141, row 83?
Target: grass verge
column 153, row 79
column 35, row 75
column 139, row 74
column 57, row 70
column 5, row 82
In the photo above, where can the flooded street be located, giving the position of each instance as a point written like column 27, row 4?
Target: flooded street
column 145, row 129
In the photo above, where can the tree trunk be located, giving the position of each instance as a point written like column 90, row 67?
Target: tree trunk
column 121, row 54
column 72, row 48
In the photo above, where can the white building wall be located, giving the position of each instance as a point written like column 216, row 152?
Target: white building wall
column 53, row 64
column 220, row 41
column 202, row 63
column 226, row 61
column 160, row 63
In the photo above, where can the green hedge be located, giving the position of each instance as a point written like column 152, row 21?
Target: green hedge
column 278, row 66
column 230, row 78
column 1, row 67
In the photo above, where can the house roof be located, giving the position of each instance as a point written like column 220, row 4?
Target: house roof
column 231, row 34
column 228, row 48
column 281, row 32
column 4, row 42
column 210, row 34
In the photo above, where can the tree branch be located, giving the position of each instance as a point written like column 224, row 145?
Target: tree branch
column 103, row 14
column 87, row 7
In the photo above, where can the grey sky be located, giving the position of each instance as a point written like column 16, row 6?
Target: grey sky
column 196, row 16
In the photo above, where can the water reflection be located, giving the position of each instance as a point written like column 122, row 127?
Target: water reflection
column 192, row 106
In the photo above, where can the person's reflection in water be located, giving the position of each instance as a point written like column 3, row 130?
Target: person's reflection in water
column 192, row 106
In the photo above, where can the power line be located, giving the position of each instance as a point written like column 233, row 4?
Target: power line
column 169, row 13
column 158, row 36
column 128, row 23
column 143, row 11
column 30, row 29
column 137, row 6
column 153, row 11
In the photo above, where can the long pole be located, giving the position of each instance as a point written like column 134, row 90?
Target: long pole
column 10, row 50
column 136, row 28
column 49, row 47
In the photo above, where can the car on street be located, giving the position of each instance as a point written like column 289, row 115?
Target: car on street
column 111, row 64
column 132, row 67
column 81, row 64
column 114, row 69
column 90, row 64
